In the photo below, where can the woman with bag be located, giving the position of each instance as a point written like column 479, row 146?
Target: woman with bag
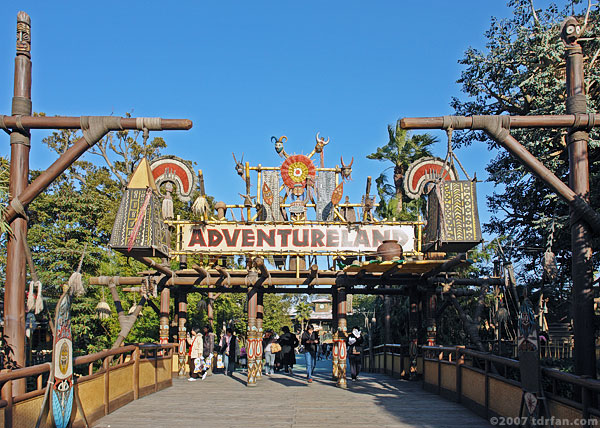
column 196, row 348
column 355, row 341
column 270, row 348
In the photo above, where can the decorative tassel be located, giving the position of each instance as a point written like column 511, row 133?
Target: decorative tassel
column 30, row 298
column 167, row 208
column 76, row 285
column 103, row 308
column 132, row 309
column 200, row 206
column 39, row 301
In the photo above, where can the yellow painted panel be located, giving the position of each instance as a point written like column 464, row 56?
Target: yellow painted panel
column 91, row 393
column 505, row 399
column 164, row 370
column 561, row 411
column 431, row 372
column 473, row 386
column 449, row 377
column 146, row 373
column 120, row 381
column 397, row 361
column 26, row 412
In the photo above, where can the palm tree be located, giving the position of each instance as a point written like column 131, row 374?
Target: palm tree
column 402, row 149
column 303, row 312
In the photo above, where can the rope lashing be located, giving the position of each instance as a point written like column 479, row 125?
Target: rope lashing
column 96, row 127
column 151, row 123
column 3, row 125
column 16, row 204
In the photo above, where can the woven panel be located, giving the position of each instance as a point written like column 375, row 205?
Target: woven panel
column 325, row 187
column 151, row 238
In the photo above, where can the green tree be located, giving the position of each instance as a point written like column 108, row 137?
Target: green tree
column 522, row 71
column 401, row 150
column 303, row 312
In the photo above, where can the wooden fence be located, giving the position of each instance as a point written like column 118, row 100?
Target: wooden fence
column 105, row 381
column 390, row 359
column 490, row 385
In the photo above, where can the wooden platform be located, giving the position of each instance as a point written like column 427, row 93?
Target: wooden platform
column 408, row 267
column 288, row 401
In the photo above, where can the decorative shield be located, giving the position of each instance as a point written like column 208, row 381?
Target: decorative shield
column 296, row 169
column 336, row 197
column 175, row 170
column 423, row 171
column 267, row 194
column 62, row 364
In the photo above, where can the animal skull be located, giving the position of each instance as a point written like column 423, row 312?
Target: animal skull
column 321, row 143
column 347, row 169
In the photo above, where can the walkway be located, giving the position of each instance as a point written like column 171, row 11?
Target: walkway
column 288, row 401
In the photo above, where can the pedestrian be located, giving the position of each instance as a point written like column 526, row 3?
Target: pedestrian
column 310, row 340
column 270, row 349
column 208, row 340
column 355, row 341
column 228, row 346
column 196, row 346
column 288, row 342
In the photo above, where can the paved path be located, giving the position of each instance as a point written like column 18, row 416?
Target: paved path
column 288, row 401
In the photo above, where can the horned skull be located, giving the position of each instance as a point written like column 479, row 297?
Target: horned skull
column 239, row 166
column 279, row 143
column 347, row 169
column 321, row 143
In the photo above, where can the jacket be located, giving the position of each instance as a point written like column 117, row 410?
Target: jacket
column 209, row 344
column 310, row 347
column 288, row 342
column 232, row 345
column 356, row 346
column 196, row 346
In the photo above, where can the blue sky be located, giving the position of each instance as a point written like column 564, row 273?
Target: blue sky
column 244, row 71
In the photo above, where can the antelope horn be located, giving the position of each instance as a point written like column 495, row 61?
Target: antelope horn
column 351, row 162
column 234, row 159
column 342, row 159
column 283, row 139
column 273, row 138
column 326, row 142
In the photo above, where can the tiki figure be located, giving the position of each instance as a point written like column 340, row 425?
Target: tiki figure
column 23, row 34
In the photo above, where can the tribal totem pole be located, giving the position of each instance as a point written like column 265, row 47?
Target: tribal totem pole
column 339, row 340
column 254, row 338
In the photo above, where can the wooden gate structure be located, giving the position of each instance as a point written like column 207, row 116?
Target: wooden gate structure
column 295, row 214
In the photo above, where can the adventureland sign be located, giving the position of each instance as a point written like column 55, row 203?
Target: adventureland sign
column 233, row 238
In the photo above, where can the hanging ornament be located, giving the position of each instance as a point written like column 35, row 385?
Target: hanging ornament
column 167, row 204
column 30, row 297
column 102, row 308
column 39, row 300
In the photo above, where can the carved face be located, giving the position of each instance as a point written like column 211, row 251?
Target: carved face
column 571, row 30
column 347, row 172
column 239, row 168
column 23, row 37
column 278, row 146
column 64, row 358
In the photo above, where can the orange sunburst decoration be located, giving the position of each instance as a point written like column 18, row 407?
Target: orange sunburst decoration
column 296, row 169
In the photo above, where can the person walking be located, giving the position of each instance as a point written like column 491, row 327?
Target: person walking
column 208, row 340
column 288, row 342
column 228, row 346
column 269, row 350
column 196, row 346
column 355, row 341
column 310, row 341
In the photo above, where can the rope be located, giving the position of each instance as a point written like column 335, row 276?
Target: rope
column 16, row 204
column 152, row 123
column 3, row 125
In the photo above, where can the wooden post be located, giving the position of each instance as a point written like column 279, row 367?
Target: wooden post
column 14, row 295
column 581, row 237
column 413, row 331
column 106, row 364
column 259, row 326
column 182, row 333
column 136, row 373
column 165, row 301
column 340, row 338
column 252, row 336
column 430, row 311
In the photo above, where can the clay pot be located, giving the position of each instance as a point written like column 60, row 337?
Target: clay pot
column 389, row 250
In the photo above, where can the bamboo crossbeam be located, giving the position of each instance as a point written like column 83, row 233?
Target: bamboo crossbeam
column 74, row 122
column 471, row 122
